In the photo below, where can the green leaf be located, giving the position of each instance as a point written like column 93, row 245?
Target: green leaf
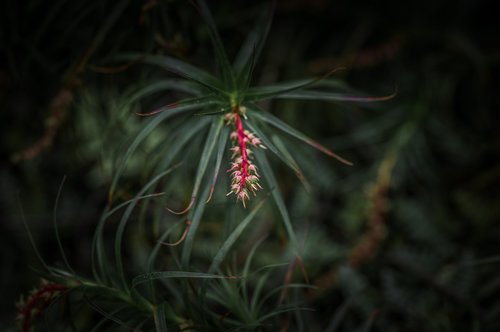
column 274, row 121
column 223, row 138
column 268, row 175
column 206, row 154
column 220, row 53
column 205, row 99
column 290, row 161
column 160, row 318
column 180, row 68
column 30, row 238
column 257, row 291
column 281, row 152
column 329, row 96
column 180, row 85
column 194, row 215
column 100, row 266
column 146, row 277
column 123, row 222
column 110, row 316
column 282, row 310
column 56, row 228
column 182, row 136
column 273, row 91
column 231, row 239
column 156, row 248
column 143, row 134
column 246, row 267
column 278, row 289
column 245, row 78
column 339, row 315
column 251, row 49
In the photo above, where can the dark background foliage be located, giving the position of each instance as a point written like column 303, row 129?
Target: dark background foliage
column 419, row 238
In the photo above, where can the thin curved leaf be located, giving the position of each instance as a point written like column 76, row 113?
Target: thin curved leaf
column 100, row 265
column 160, row 318
column 123, row 223
column 141, row 136
column 275, row 90
column 194, row 215
column 274, row 121
column 252, row 47
column 220, row 53
column 268, row 174
column 56, row 228
column 329, row 96
column 146, row 277
column 223, row 138
column 290, row 161
column 279, row 152
column 180, row 85
column 206, row 154
column 180, row 68
column 231, row 239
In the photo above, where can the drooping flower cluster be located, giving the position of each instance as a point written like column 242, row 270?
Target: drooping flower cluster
column 244, row 176
column 37, row 302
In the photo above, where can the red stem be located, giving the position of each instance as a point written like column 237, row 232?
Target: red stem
column 243, row 148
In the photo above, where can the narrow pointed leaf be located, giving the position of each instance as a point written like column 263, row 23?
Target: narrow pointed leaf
column 246, row 267
column 206, row 154
column 231, row 239
column 223, row 138
column 253, row 45
column 274, row 121
column 143, row 134
column 245, row 77
column 282, row 311
column 123, row 223
column 156, row 249
column 258, row 289
column 268, row 175
column 270, row 145
column 220, row 53
column 339, row 315
column 194, row 215
column 160, row 318
column 56, row 228
column 110, row 316
column 100, row 264
column 204, row 99
column 329, row 96
column 273, row 91
column 180, row 85
column 290, row 161
column 30, row 238
column 178, row 141
column 146, row 277
column 180, row 68
column 278, row 289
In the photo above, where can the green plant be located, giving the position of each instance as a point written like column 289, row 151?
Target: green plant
column 207, row 295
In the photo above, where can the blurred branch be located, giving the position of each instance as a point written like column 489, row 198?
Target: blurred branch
column 64, row 97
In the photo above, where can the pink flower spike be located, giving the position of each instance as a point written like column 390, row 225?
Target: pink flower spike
column 244, row 176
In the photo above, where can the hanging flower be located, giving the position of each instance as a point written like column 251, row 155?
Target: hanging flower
column 244, row 176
